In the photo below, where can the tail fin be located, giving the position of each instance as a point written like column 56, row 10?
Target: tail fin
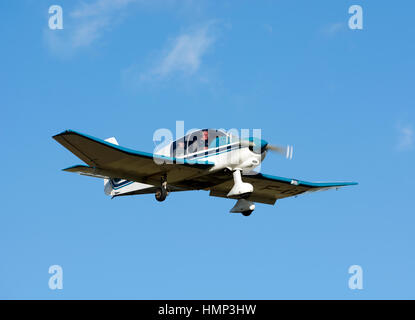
column 112, row 140
column 107, row 183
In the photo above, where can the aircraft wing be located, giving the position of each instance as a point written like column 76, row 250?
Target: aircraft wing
column 267, row 188
column 105, row 159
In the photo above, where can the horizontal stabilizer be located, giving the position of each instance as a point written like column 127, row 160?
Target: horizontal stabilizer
column 87, row 171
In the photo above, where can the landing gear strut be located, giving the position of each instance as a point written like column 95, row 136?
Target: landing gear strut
column 161, row 193
column 240, row 189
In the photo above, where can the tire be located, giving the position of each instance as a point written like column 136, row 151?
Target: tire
column 161, row 194
column 247, row 213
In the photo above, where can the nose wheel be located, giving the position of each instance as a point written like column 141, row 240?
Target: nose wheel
column 247, row 213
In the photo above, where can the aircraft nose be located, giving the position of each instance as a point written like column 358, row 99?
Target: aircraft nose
column 259, row 142
column 263, row 144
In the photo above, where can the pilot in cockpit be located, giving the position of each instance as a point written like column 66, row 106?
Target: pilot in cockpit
column 204, row 141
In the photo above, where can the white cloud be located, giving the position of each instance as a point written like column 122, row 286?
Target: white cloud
column 333, row 28
column 85, row 24
column 268, row 27
column 406, row 137
column 86, row 33
column 183, row 54
column 99, row 8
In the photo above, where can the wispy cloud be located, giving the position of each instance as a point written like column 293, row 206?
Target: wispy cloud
column 268, row 27
column 85, row 24
column 406, row 137
column 333, row 28
column 99, row 8
column 182, row 55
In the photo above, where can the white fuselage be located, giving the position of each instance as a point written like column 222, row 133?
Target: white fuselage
column 231, row 156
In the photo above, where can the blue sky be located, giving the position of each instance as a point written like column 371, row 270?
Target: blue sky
column 344, row 98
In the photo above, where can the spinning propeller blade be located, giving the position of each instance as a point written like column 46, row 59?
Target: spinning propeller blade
column 285, row 151
column 265, row 146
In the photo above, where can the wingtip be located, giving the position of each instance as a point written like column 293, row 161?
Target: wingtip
column 62, row 133
column 348, row 183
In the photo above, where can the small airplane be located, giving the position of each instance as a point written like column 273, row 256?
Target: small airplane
column 209, row 159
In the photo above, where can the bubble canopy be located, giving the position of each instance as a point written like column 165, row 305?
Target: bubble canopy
column 198, row 141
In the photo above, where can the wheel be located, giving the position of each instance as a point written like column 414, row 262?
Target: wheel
column 247, row 213
column 161, row 194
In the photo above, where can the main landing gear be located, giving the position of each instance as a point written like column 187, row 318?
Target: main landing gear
column 162, row 192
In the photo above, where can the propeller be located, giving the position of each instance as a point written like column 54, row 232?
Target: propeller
column 265, row 146
column 285, row 151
